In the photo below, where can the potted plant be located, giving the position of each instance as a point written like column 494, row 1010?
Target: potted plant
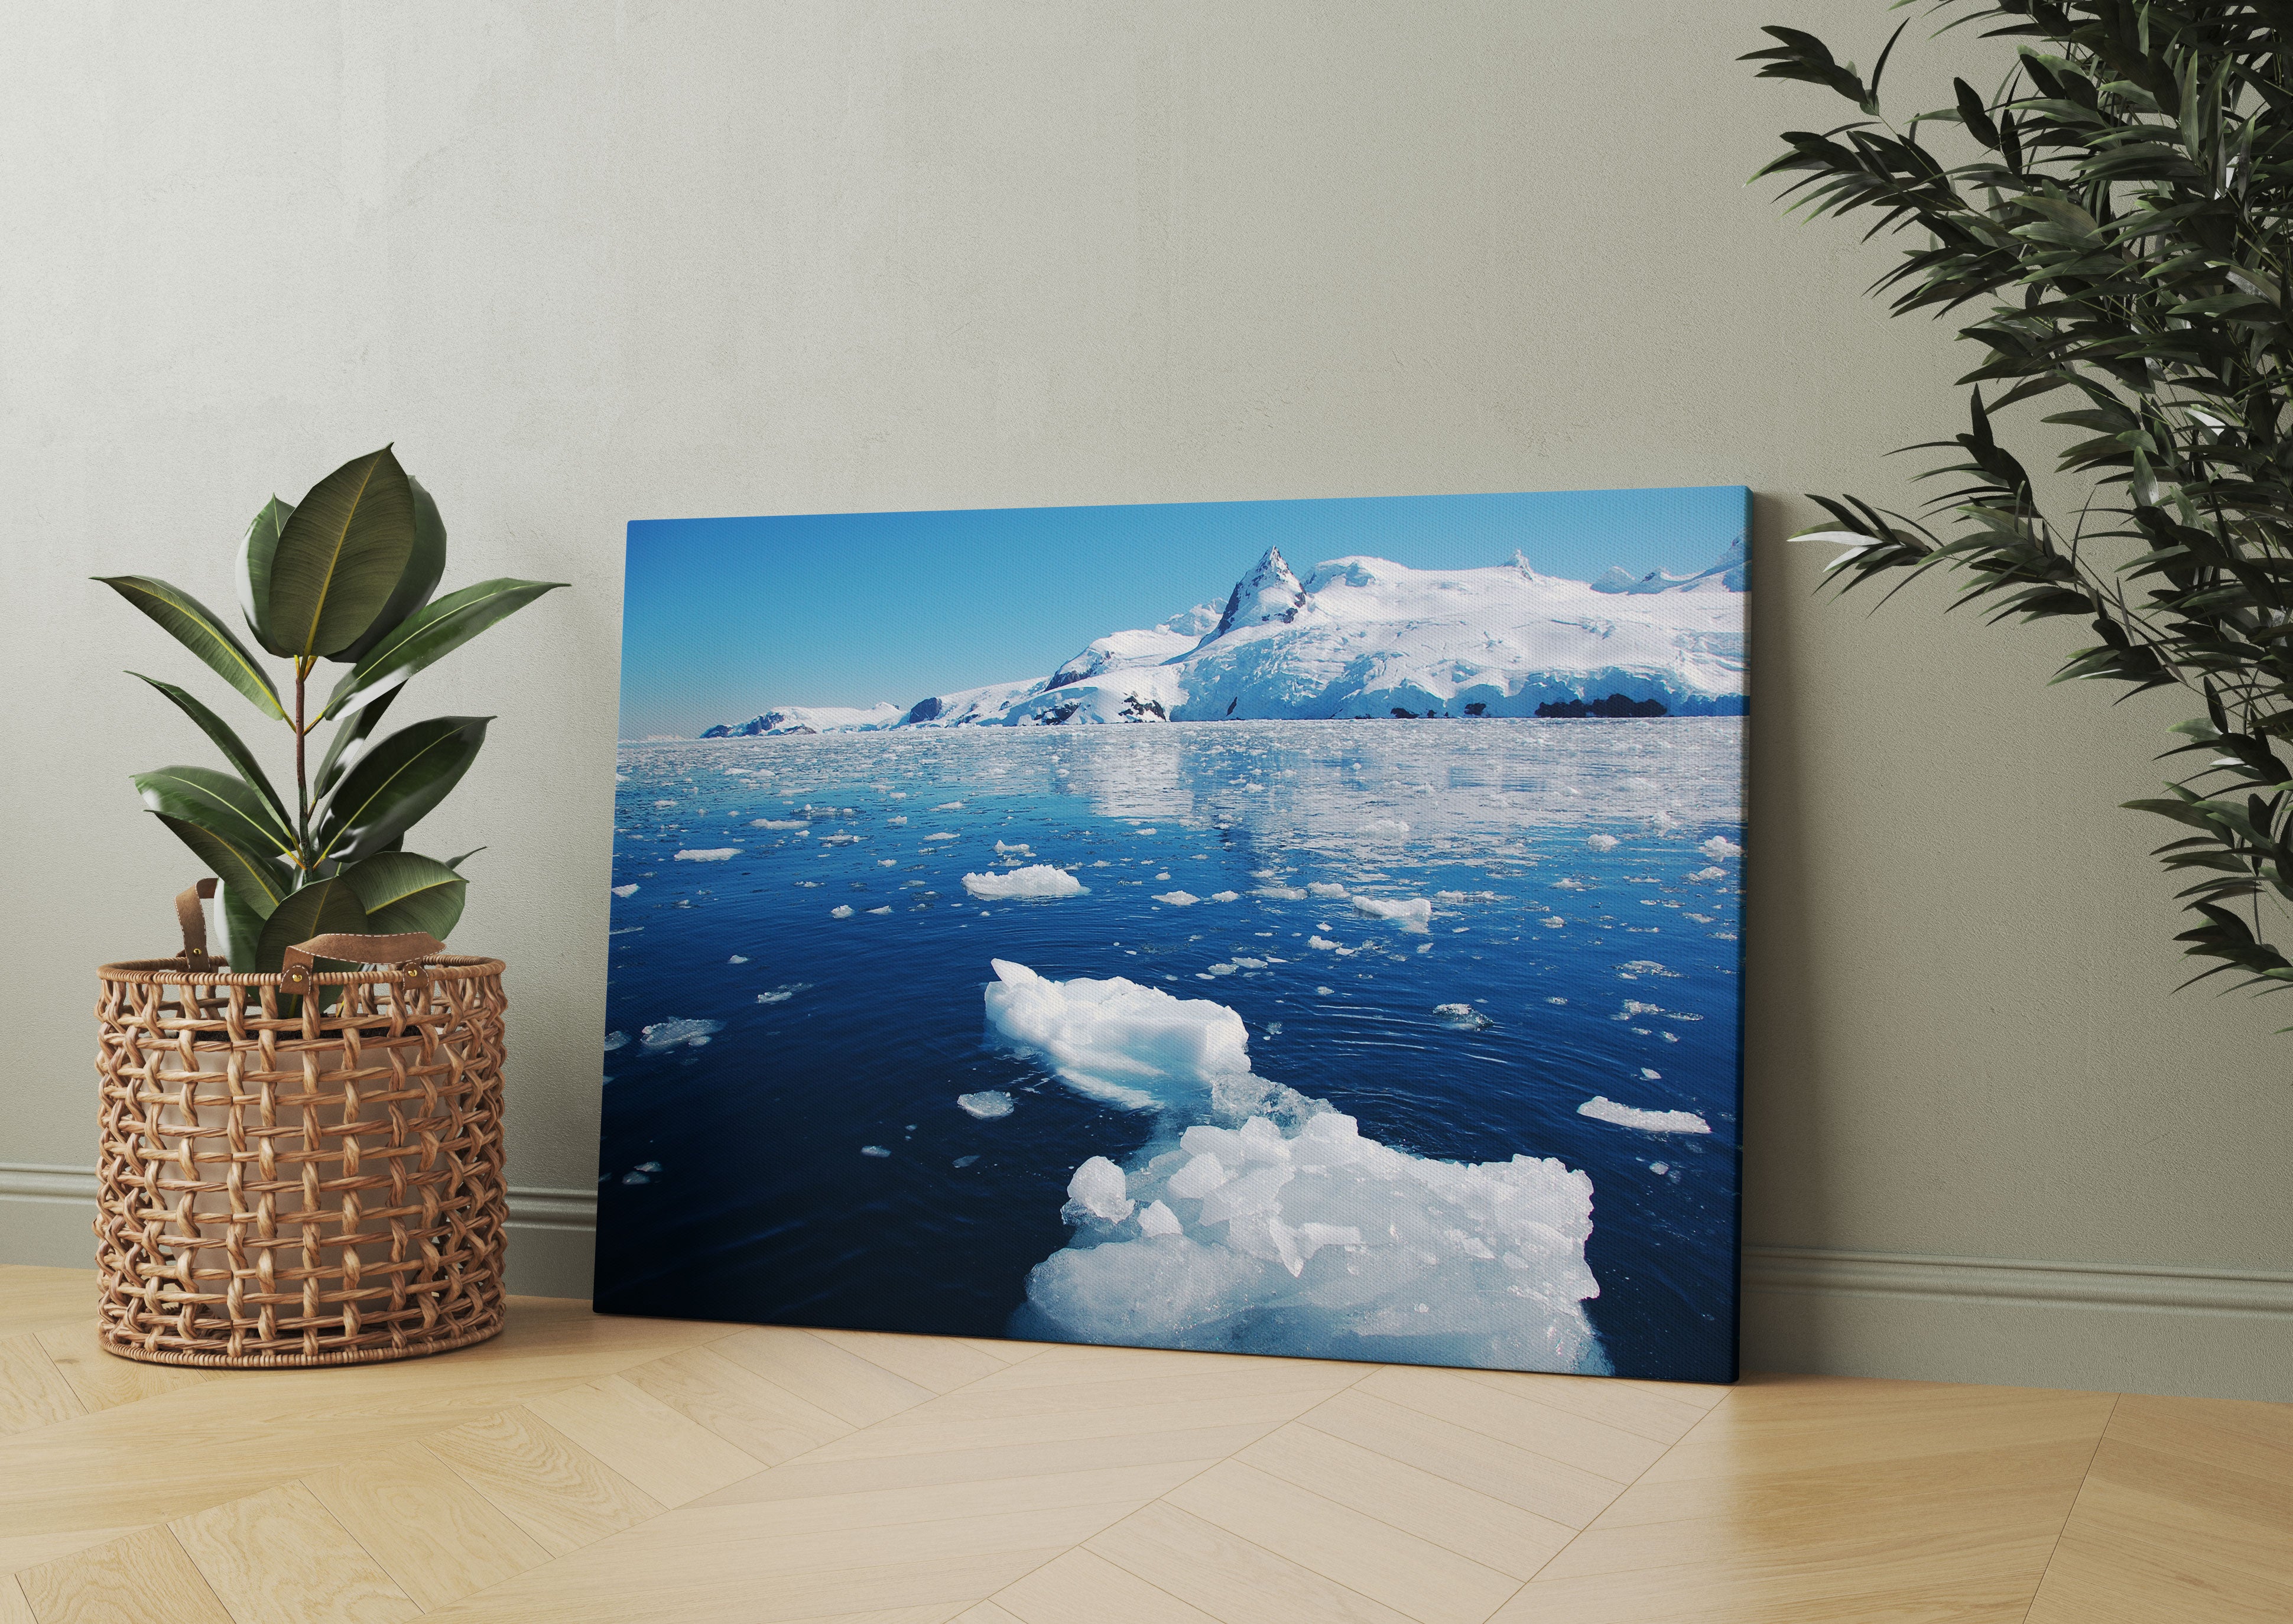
column 302, row 1144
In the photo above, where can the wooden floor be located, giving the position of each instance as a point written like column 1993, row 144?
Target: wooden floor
column 621, row 1471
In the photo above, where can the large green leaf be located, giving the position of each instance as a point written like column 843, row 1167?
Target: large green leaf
column 228, row 741
column 261, row 880
column 256, row 549
column 216, row 801
column 424, row 565
column 195, row 626
column 340, row 556
column 402, row 891
column 318, row 909
column 348, row 744
column 242, row 927
column 395, row 783
column 430, row 635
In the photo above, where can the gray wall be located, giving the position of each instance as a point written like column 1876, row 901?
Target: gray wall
column 587, row 263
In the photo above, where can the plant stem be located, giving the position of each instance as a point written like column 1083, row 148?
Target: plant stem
column 302, row 783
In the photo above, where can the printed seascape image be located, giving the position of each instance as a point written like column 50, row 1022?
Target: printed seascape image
column 1300, row 928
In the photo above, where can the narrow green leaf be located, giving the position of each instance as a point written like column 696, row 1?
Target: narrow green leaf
column 397, row 783
column 256, row 549
column 242, row 926
column 262, row 880
column 233, row 748
column 340, row 556
column 349, row 743
column 424, row 565
column 196, row 627
column 430, row 635
column 318, row 909
column 457, row 863
column 217, row 801
column 402, row 890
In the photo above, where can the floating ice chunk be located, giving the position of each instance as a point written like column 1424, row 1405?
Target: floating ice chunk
column 1633, row 968
column 708, row 853
column 944, row 834
column 1552, row 922
column 1325, row 992
column 949, row 806
column 1719, row 846
column 1324, row 888
column 1412, row 913
column 1601, row 842
column 1383, row 826
column 1324, row 944
column 886, row 909
column 778, row 822
column 664, row 803
column 896, row 823
column 615, row 1040
column 1159, row 1220
column 1571, row 884
column 1709, row 874
column 1659, row 1168
column 1176, row 899
column 833, row 840
column 737, row 959
column 1114, row 1040
column 669, row 1034
column 629, row 890
column 888, row 863
column 1280, row 893
column 1226, row 895
column 1020, row 850
column 1222, row 970
column 1096, row 1192
column 841, row 911
column 1338, row 1239
column 635, row 1177
column 1464, row 1016
column 964, row 1161
column 987, row 1105
column 1036, row 879
column 1605, row 1110
column 873, row 1150
column 1452, row 897
column 1253, row 964
column 1651, row 1076
column 783, row 993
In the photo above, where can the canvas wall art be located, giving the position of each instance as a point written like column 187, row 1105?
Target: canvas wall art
column 1299, row 928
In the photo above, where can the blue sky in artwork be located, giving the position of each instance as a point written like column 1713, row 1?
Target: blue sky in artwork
column 723, row 618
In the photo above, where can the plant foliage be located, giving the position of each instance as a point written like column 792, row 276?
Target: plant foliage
column 2110, row 223
column 348, row 574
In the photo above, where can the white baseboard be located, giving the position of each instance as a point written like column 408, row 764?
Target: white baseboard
column 2209, row 1333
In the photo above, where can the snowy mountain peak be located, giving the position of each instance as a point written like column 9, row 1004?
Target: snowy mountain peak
column 1270, row 592
column 1727, row 575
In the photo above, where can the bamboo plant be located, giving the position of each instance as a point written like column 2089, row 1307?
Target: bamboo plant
column 2113, row 224
column 347, row 576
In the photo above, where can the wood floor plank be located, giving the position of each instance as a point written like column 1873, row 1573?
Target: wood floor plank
column 754, row 1415
column 143, row 1579
column 14, row 1608
column 1121, row 1488
column 558, row 1493
column 430, row 1531
column 1412, row 1576
column 843, row 1384
column 280, row 1558
column 1551, row 1488
column 1188, row 1448
column 1513, row 1417
column 1228, row 1576
column 987, row 1613
column 1489, row 1530
column 32, row 1392
column 103, row 1380
column 940, row 1363
column 1664, row 1417
column 34, row 1297
column 661, row 1450
column 1082, row 1585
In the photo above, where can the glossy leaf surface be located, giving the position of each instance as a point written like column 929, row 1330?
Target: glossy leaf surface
column 340, row 556
column 197, row 628
column 401, row 891
column 234, row 747
column 395, row 783
column 429, row 634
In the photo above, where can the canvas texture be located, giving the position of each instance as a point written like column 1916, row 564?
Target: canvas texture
column 1302, row 928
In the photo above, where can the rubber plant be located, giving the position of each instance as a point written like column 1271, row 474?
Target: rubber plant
column 2109, row 223
column 347, row 575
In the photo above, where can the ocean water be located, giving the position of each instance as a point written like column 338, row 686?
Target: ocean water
column 807, row 1160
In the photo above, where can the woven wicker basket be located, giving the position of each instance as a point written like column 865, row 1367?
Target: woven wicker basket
column 296, row 1176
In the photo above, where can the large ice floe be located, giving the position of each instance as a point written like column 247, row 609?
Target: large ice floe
column 1036, row 879
column 1257, row 1216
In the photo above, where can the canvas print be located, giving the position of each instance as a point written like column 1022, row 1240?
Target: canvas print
column 1301, row 928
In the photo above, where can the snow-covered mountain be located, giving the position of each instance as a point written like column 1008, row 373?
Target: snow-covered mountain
column 1362, row 636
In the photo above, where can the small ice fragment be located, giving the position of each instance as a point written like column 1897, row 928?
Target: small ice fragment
column 737, row 959
column 944, row 834
column 949, row 806
column 886, row 909
column 888, row 863
column 1412, row 913
column 1176, row 899
column 1280, row 893
column 841, row 911
column 1601, row 842
column 708, row 853
column 1324, row 944
column 1226, row 896
column 615, row 1040
column 896, row 823
column 626, row 890
column 1383, row 826
column 1326, row 992
column 1324, row 888
column 1553, row 922
column 777, row 823
column 669, row 1034
column 1036, row 879
column 648, row 1166
column 1159, row 1220
column 1720, row 846
column 1020, row 850
column 965, row 1161
column 1556, row 1000
column 1605, row 1110
column 1651, row 1076
column 1659, row 1168
column 1222, row 970
column 1096, row 1192
column 1709, row 874
column 987, row 1104
column 635, row 1178
column 873, row 1150
column 664, row 803
column 1464, row 1016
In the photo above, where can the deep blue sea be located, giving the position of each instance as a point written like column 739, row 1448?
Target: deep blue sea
column 808, row 1163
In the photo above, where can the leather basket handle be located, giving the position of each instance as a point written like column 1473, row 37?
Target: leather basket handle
column 193, row 920
column 296, row 967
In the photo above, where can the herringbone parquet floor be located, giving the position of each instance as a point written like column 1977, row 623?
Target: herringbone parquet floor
column 584, row 1469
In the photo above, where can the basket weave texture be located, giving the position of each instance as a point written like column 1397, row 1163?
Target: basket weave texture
column 284, row 1184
